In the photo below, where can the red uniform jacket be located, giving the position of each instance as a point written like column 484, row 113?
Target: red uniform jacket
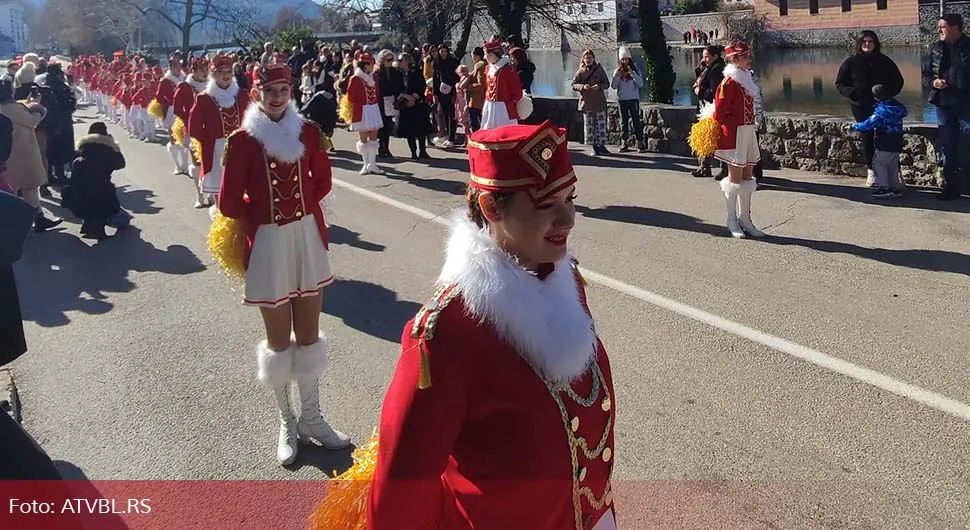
column 733, row 107
column 183, row 99
column 260, row 190
column 165, row 93
column 489, row 445
column 506, row 87
column 361, row 95
column 208, row 123
column 126, row 96
column 141, row 97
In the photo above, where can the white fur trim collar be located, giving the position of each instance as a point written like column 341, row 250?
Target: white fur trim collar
column 365, row 77
column 743, row 78
column 494, row 68
column 225, row 97
column 280, row 139
column 544, row 320
column 172, row 78
column 196, row 85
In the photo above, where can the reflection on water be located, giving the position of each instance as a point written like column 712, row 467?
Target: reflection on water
column 792, row 80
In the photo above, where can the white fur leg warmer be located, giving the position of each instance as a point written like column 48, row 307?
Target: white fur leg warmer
column 728, row 187
column 311, row 361
column 274, row 367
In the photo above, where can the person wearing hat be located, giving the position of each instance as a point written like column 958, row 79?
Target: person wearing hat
column 217, row 112
column 138, row 111
column 182, row 102
column 628, row 82
column 277, row 172
column 364, row 96
column 503, row 89
column 735, row 111
column 501, row 410
column 164, row 109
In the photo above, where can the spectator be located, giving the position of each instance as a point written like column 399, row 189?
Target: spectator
column 709, row 77
column 592, row 82
column 628, row 82
column 856, row 77
column 92, row 196
column 947, row 75
column 60, row 102
column 391, row 82
column 269, row 53
column 887, row 124
column 445, row 81
column 476, row 89
column 524, row 67
column 414, row 122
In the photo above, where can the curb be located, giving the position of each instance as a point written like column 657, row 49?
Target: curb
column 9, row 400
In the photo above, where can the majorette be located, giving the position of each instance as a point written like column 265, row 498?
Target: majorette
column 734, row 110
column 364, row 95
column 277, row 173
column 182, row 102
column 216, row 114
column 163, row 108
column 505, row 101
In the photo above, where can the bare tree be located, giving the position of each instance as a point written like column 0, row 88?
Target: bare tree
column 289, row 17
column 230, row 16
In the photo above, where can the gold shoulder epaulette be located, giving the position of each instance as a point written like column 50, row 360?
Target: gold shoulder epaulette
column 425, row 324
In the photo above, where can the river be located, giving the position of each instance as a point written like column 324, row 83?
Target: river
column 800, row 81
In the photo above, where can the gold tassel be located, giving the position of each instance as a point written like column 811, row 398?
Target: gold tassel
column 155, row 110
column 345, row 505
column 424, row 376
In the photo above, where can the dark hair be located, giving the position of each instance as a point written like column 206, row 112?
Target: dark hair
column 877, row 46
column 475, row 214
column 881, row 92
column 6, row 91
column 714, row 50
column 478, row 52
column 98, row 127
column 953, row 19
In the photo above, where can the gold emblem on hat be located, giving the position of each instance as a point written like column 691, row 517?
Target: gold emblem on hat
column 546, row 154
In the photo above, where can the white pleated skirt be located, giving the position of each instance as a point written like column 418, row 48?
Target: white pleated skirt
column 495, row 114
column 370, row 119
column 746, row 151
column 287, row 262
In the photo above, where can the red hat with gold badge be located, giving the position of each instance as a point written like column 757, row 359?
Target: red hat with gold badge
column 534, row 158
column 271, row 74
column 737, row 48
column 221, row 61
column 493, row 46
column 364, row 57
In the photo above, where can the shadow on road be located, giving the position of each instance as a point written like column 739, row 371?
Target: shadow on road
column 917, row 198
column 368, row 307
column 331, row 463
column 60, row 273
column 921, row 259
column 342, row 236
column 633, row 161
column 137, row 201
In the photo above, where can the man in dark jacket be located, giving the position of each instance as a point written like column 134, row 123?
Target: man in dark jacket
column 709, row 77
column 947, row 75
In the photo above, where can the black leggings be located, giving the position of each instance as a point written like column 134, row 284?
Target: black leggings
column 868, row 138
column 415, row 143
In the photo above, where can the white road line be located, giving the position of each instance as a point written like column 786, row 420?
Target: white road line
column 828, row 362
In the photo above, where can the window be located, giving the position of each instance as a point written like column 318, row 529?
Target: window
column 606, row 27
column 881, row 4
column 569, row 10
column 813, row 7
column 846, row 6
column 783, row 8
column 599, row 7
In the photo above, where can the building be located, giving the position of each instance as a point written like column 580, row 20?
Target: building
column 14, row 26
column 821, row 23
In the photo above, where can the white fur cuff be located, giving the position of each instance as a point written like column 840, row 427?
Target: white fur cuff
column 728, row 187
column 311, row 361
column 274, row 367
column 751, row 184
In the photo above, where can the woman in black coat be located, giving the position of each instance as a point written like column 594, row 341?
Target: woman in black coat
column 391, row 82
column 92, row 196
column 445, row 83
column 59, row 124
column 414, row 121
column 856, row 77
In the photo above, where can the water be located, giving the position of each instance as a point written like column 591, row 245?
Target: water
column 800, row 81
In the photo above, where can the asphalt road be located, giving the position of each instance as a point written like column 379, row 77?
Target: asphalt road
column 815, row 379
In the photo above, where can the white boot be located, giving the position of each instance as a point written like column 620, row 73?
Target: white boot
column 196, row 173
column 173, row 151
column 372, row 148
column 183, row 159
column 744, row 203
column 731, row 192
column 286, row 446
column 362, row 149
column 309, row 363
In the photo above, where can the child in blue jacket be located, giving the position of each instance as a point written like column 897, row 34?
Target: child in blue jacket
column 887, row 122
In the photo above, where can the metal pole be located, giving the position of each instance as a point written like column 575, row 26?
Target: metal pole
column 942, row 7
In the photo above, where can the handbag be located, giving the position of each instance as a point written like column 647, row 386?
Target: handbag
column 16, row 218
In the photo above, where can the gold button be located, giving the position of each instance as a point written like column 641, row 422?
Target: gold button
column 575, row 424
column 297, row 195
column 275, row 182
column 296, row 178
column 607, row 454
column 272, row 165
column 582, row 474
column 276, row 199
column 299, row 214
column 278, row 217
column 606, row 404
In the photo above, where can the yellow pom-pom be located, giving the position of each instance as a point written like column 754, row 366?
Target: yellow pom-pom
column 704, row 137
column 227, row 243
column 114, row 102
column 196, row 147
column 345, row 504
column 178, row 131
column 155, row 110
column 346, row 110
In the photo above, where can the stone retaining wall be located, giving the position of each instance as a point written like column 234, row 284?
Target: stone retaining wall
column 796, row 141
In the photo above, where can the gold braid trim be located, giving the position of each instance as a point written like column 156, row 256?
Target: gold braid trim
column 425, row 324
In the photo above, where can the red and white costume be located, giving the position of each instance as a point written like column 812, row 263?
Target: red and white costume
column 141, row 123
column 277, row 172
column 165, row 105
column 501, row 410
column 503, row 90
column 182, row 102
column 364, row 95
column 735, row 111
column 216, row 114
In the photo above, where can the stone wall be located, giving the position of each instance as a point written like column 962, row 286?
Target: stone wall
column 545, row 35
column 929, row 15
column 796, row 141
column 676, row 25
